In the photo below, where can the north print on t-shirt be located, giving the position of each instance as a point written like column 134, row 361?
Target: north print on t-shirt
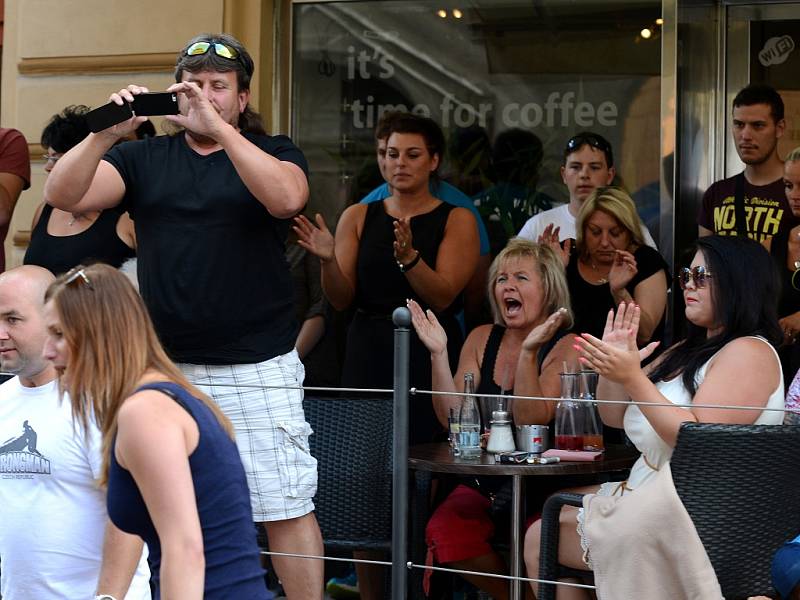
column 763, row 216
column 19, row 457
column 767, row 210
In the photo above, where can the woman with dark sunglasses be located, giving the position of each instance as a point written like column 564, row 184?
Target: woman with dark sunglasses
column 727, row 359
column 785, row 250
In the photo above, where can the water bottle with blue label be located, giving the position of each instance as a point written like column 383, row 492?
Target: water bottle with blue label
column 469, row 422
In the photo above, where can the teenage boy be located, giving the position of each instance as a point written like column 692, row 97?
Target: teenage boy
column 588, row 165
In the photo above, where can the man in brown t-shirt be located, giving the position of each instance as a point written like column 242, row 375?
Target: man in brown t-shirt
column 15, row 176
column 758, row 124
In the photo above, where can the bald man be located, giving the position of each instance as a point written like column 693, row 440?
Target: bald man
column 54, row 523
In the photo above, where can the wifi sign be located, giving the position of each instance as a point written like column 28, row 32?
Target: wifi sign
column 776, row 50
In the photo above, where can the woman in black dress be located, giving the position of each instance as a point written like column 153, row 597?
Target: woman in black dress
column 410, row 245
column 60, row 239
column 613, row 264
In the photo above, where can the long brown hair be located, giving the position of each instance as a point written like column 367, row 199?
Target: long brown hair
column 112, row 343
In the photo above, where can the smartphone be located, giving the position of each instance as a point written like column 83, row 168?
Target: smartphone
column 155, row 104
column 514, row 457
column 108, row 115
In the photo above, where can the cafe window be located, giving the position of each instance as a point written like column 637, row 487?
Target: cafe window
column 509, row 81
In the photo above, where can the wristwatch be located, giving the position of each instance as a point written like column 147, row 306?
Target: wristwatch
column 104, row 597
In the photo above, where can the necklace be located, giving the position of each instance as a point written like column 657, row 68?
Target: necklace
column 75, row 217
column 600, row 280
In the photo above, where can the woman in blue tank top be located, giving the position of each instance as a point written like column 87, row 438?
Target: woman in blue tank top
column 170, row 463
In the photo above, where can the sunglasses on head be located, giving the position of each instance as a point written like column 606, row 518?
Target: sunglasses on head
column 220, row 49
column 698, row 274
column 78, row 274
column 576, row 142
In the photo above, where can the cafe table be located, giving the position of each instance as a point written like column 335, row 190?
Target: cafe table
column 437, row 458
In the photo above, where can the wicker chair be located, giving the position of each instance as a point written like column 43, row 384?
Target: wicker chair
column 352, row 443
column 739, row 484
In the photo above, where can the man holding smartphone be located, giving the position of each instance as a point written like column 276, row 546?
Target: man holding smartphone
column 211, row 207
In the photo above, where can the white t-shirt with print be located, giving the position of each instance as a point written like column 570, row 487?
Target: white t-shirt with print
column 52, row 514
column 561, row 217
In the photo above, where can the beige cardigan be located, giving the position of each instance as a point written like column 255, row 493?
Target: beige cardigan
column 643, row 545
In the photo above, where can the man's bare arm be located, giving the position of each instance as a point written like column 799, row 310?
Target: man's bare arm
column 10, row 188
column 81, row 181
column 279, row 185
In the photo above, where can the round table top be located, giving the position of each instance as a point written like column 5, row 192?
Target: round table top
column 437, row 458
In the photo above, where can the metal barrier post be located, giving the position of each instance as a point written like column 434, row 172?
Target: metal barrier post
column 402, row 320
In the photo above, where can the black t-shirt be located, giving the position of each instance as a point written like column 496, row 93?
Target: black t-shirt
column 211, row 268
column 766, row 209
column 591, row 302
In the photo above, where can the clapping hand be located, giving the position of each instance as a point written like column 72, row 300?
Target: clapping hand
column 403, row 251
column 541, row 334
column 622, row 271
column 430, row 332
column 316, row 239
column 791, row 327
column 550, row 237
column 616, row 356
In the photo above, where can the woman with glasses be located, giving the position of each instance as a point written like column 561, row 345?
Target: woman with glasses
column 785, row 250
column 727, row 359
column 613, row 264
column 61, row 239
column 170, row 463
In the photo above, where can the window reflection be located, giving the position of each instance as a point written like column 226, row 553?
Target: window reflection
column 509, row 83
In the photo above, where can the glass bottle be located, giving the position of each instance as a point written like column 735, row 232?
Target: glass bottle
column 469, row 422
column 452, row 423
